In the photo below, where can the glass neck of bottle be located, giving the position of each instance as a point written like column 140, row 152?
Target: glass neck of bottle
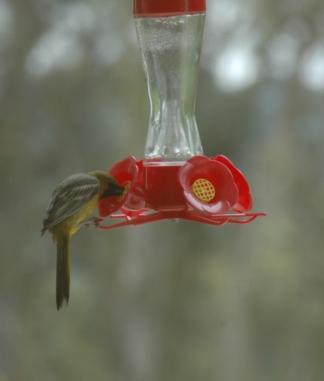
column 171, row 49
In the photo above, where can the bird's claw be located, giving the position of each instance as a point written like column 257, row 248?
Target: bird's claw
column 98, row 221
column 92, row 222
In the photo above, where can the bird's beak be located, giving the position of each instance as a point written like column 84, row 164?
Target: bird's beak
column 115, row 190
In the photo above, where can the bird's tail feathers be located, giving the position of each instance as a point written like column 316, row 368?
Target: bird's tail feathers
column 62, row 269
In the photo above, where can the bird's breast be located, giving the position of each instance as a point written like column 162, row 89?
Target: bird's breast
column 83, row 214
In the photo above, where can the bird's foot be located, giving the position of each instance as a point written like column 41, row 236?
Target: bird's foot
column 91, row 222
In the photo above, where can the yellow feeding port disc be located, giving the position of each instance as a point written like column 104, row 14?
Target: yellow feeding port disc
column 203, row 189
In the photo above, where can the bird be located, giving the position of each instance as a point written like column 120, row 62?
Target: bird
column 71, row 204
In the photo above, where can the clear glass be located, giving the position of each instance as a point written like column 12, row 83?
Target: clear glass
column 171, row 49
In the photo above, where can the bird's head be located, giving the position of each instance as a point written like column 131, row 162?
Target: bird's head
column 108, row 185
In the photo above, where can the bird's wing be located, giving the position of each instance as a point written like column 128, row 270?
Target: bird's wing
column 69, row 197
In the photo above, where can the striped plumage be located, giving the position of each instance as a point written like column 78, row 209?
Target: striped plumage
column 69, row 197
column 72, row 202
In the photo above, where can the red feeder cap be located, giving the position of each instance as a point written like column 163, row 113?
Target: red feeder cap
column 161, row 8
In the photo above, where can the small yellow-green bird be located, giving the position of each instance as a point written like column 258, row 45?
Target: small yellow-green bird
column 72, row 202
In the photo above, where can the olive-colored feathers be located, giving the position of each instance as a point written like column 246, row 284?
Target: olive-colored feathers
column 72, row 202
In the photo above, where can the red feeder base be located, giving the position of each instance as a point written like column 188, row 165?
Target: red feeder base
column 205, row 190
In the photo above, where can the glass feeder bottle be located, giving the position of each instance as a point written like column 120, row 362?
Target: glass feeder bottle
column 170, row 37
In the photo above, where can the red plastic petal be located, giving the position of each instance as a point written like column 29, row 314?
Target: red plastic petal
column 125, row 173
column 110, row 205
column 245, row 201
column 128, row 172
column 226, row 192
column 135, row 200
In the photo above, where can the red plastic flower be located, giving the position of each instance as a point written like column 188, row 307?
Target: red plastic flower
column 109, row 205
column 135, row 200
column 244, row 202
column 125, row 172
column 208, row 185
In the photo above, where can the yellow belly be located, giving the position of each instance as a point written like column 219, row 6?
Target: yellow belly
column 75, row 220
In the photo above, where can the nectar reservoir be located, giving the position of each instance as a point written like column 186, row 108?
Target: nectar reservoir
column 170, row 37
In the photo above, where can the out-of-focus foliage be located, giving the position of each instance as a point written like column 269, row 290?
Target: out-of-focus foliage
column 170, row 301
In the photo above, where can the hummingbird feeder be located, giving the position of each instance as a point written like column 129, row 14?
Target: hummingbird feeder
column 175, row 180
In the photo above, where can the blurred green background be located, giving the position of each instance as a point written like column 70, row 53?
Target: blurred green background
column 167, row 301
